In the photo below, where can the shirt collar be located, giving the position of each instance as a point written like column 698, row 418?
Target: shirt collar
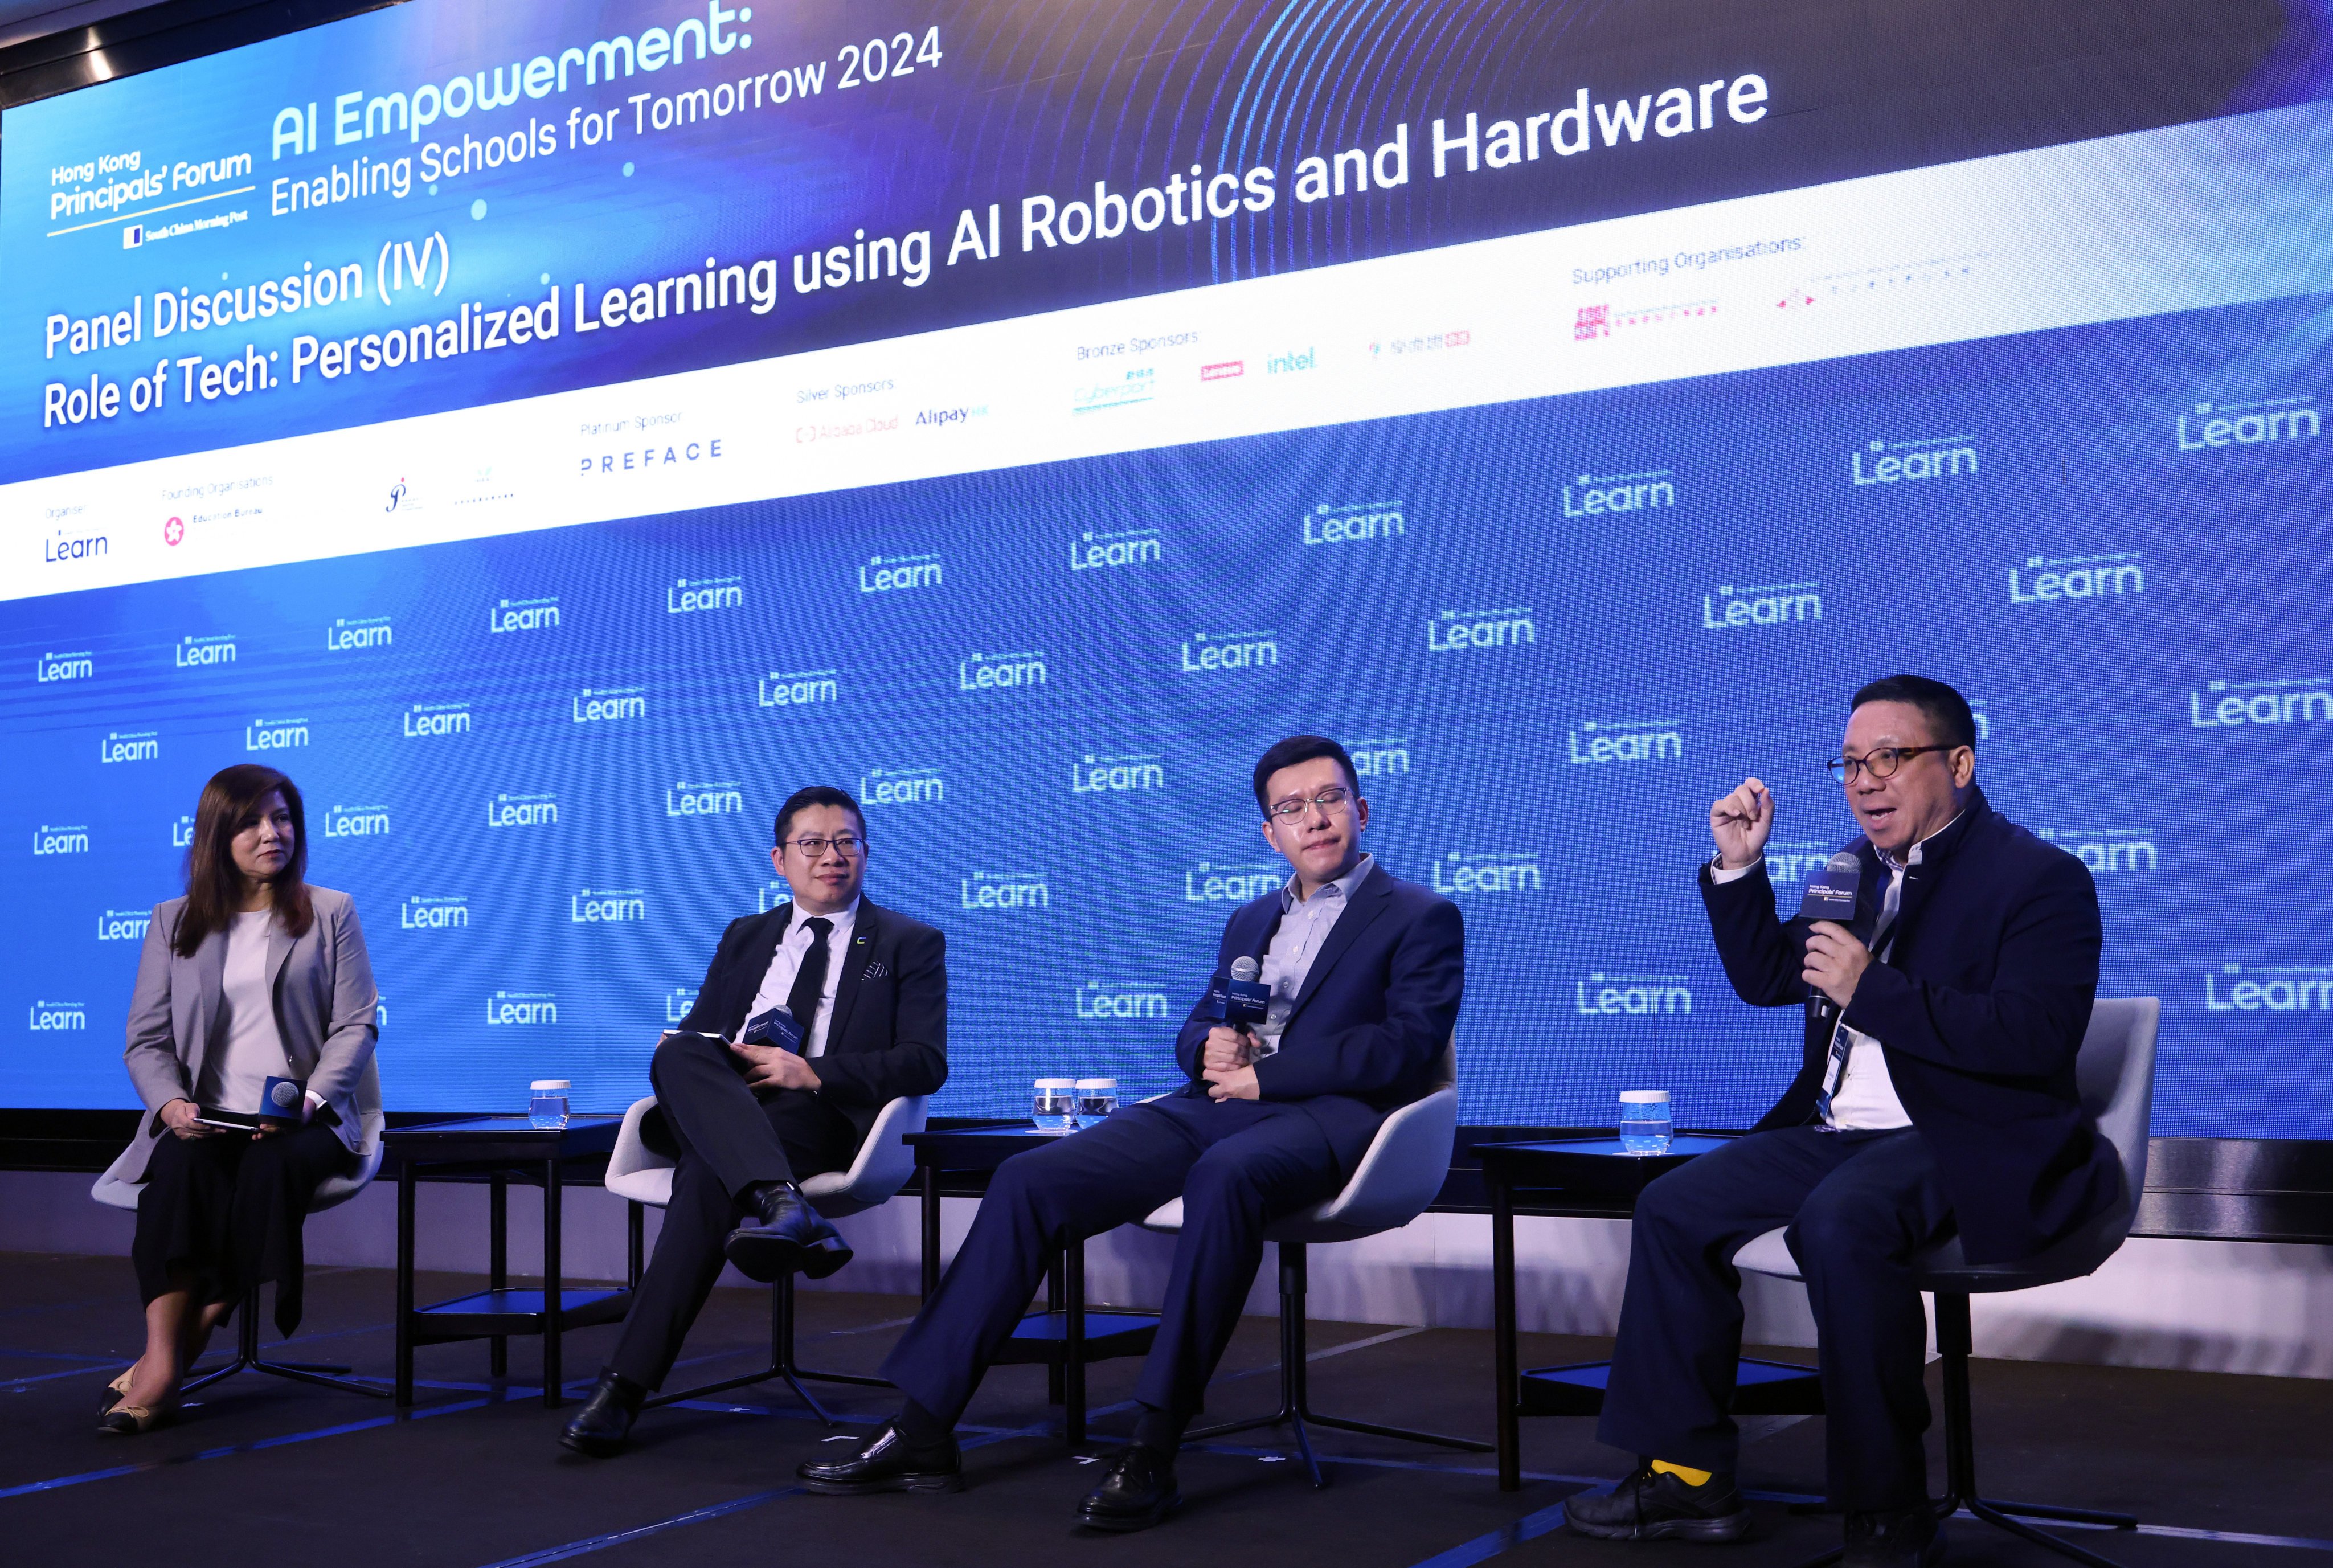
column 1344, row 885
column 1913, row 857
column 850, row 912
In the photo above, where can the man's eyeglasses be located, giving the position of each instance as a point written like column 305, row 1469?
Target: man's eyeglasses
column 1330, row 800
column 1880, row 762
column 847, row 847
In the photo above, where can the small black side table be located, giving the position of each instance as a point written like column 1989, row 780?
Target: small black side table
column 1593, row 1177
column 498, row 1150
column 1065, row 1337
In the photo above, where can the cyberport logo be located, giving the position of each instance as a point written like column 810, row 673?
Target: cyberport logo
column 1360, row 523
column 1760, row 604
column 356, row 822
column 1501, row 871
column 901, row 786
column 1230, row 650
column 2288, row 988
column 1884, row 462
column 122, row 925
column 344, row 635
column 131, row 746
column 45, row 1015
column 1113, row 1001
column 1231, row 881
column 1094, row 551
column 60, row 841
column 1377, row 756
column 679, row 1002
column 1107, row 773
column 2254, row 424
column 1135, row 384
column 1627, row 740
column 55, row 667
column 898, row 573
column 274, row 734
column 718, row 798
column 2058, row 578
column 1651, row 490
column 2106, row 849
column 796, row 689
column 530, row 810
column 426, row 719
column 522, row 1008
column 1001, row 671
column 433, row 912
column 608, row 704
column 607, row 907
column 1005, row 891
column 694, row 595
column 523, row 615
column 1460, row 630
column 1631, row 996
column 2302, row 699
column 200, row 652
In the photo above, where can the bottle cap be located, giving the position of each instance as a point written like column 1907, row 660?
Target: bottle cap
column 1097, row 1084
column 542, row 1085
column 1645, row 1097
column 1057, row 1084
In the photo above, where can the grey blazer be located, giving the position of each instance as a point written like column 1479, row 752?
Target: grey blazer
column 324, row 1001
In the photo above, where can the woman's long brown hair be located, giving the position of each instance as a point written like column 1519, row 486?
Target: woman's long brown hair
column 230, row 804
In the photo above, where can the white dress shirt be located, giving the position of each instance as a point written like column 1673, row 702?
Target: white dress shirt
column 778, row 980
column 250, row 1047
column 1304, row 927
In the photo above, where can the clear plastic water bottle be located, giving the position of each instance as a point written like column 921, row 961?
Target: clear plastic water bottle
column 1645, row 1125
column 1097, row 1098
column 546, row 1104
column 1055, row 1106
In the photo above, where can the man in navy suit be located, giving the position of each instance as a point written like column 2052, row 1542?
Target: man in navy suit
column 1936, row 1092
column 1365, row 972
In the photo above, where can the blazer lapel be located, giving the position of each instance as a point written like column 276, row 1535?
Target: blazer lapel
column 864, row 928
column 1368, row 903
column 209, row 964
column 745, row 979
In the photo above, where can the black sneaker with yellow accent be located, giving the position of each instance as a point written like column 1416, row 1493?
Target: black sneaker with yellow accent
column 1656, row 1505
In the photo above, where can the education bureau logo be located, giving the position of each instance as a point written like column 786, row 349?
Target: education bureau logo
column 522, row 1007
column 130, row 745
column 1760, row 604
column 718, row 798
column 523, row 615
column 1005, row 891
column 47, row 1016
column 1886, row 461
column 694, row 595
column 2268, row 988
column 1460, row 630
column 1230, row 650
column 679, row 1002
column 1118, row 773
column 356, row 822
column 426, row 719
column 526, row 811
column 2106, row 849
column 61, row 841
column 1359, row 523
column 1376, row 757
column 50, row 668
column 900, row 574
column 2054, row 578
column 608, row 704
column 607, row 907
column 344, row 635
column 1499, row 871
column 1231, row 881
column 1791, row 861
column 1001, row 671
column 194, row 653
column 1626, row 740
column 1603, row 996
column 122, row 925
column 1113, row 1001
column 2235, row 704
column 433, row 912
column 2255, row 423
column 1099, row 552
column 797, row 689
column 274, row 734
column 901, row 786
column 1652, row 490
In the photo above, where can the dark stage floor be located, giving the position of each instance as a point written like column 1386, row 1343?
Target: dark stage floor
column 266, row 1471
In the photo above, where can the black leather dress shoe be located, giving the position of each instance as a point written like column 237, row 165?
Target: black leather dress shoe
column 784, row 1235
column 600, row 1426
column 885, row 1463
column 1139, row 1492
column 1656, row 1506
column 1898, row 1538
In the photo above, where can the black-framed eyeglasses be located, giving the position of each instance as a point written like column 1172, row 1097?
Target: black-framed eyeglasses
column 1880, row 762
column 848, row 847
column 1330, row 800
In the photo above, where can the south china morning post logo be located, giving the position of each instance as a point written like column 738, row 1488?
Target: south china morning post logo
column 1626, row 740
column 523, row 811
column 1004, row 891
column 1606, row 996
column 1882, row 462
column 797, row 689
column 522, row 1008
column 52, row 668
column 433, row 912
column 900, row 574
column 356, row 822
column 608, row 704
column 902, row 787
column 130, row 745
column 1001, row 671
column 1460, row 630
column 717, row 798
column 2268, row 988
column 607, row 907
column 1231, row 881
column 1101, row 551
column 694, row 595
column 275, row 735
column 194, row 653
column 2240, row 704
column 2256, row 422
column 424, row 720
column 1597, row 495
column 1498, row 871
column 1359, row 523
column 1114, row 1001
column 42, row 1016
column 1760, row 604
column 1205, row 652
column 509, row 615
column 1118, row 773
column 348, row 635
column 64, row 840
column 122, row 925
column 2060, row 579
column 2106, row 849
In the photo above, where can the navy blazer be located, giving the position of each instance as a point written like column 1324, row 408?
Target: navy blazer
column 1981, row 1008
column 1377, row 1010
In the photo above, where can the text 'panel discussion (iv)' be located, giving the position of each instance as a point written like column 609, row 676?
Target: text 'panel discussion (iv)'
column 963, row 783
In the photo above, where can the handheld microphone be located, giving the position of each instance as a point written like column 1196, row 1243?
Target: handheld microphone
column 1830, row 896
column 775, row 1027
column 1245, row 1001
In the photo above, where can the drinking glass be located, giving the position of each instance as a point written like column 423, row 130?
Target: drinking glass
column 1645, row 1125
column 1097, row 1098
column 1055, row 1106
column 546, row 1102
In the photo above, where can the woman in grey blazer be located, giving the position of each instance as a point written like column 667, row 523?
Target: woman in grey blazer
column 253, row 976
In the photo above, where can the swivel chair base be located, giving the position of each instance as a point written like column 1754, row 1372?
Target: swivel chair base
column 782, row 1363
column 248, row 1359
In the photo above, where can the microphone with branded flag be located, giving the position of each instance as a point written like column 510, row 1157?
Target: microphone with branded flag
column 1242, row 1001
column 1830, row 896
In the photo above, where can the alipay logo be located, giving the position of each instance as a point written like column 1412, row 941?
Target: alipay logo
column 1113, row 1000
column 1507, row 872
column 1093, row 552
column 1459, row 630
column 522, row 1007
column 131, row 746
column 1376, row 758
column 608, row 703
column 1001, row 671
column 901, row 786
column 2300, row 699
column 679, row 1002
column 1230, row 650
column 201, row 652
column 433, row 912
column 1601, row 493
column 2107, row 849
column 897, row 573
column 1230, row 881
column 1105, row 772
column 1884, row 462
column 274, row 734
column 2050, row 579
column 691, row 595
column 607, row 907
column 523, row 615
column 426, row 719
column 345, row 635
column 1762, row 604
column 44, row 1015
column 720, row 798
column 60, row 841
column 1627, row 740
column 535, row 811
column 2284, row 988
column 2249, row 424
column 52, row 667
column 356, row 822
column 796, row 689
column 122, row 925
column 1632, row 996
column 1358, row 524
column 1005, row 891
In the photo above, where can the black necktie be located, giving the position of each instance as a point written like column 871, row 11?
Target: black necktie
column 810, row 980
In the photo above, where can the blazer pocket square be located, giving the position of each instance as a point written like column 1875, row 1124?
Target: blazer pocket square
column 873, row 971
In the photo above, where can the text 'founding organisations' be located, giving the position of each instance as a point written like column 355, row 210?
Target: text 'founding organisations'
column 2060, row 579
column 1498, row 871
column 2268, row 988
column 1361, row 523
column 1231, row 881
column 1631, row 996
column 1005, row 891
column 2235, row 704
column 1108, row 773
column 902, row 787
column 714, row 798
column 527, row 811
column 1101, row 551
column 1461, row 630
column 1111, row 1001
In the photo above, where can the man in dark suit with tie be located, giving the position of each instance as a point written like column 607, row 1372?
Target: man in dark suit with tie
column 1365, row 973
column 1936, row 1091
column 866, row 990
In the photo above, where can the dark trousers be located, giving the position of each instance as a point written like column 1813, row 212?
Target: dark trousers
column 1236, row 1166
column 726, row 1138
column 1858, row 1205
column 225, row 1213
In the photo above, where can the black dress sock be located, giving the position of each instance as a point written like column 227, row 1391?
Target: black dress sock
column 1161, row 1430
column 923, row 1429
